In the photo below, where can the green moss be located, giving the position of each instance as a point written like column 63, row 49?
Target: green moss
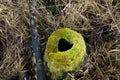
column 59, row 62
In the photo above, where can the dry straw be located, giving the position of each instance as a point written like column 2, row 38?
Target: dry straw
column 97, row 20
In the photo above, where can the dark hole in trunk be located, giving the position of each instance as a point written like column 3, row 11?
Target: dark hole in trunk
column 64, row 45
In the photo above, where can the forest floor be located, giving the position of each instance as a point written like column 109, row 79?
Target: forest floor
column 97, row 20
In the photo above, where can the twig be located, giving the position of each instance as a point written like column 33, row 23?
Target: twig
column 35, row 42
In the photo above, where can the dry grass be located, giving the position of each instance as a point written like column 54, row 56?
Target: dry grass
column 14, row 36
column 97, row 20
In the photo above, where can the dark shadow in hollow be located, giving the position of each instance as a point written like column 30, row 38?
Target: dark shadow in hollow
column 64, row 45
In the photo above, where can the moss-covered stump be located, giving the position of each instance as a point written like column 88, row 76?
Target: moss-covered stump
column 65, row 51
